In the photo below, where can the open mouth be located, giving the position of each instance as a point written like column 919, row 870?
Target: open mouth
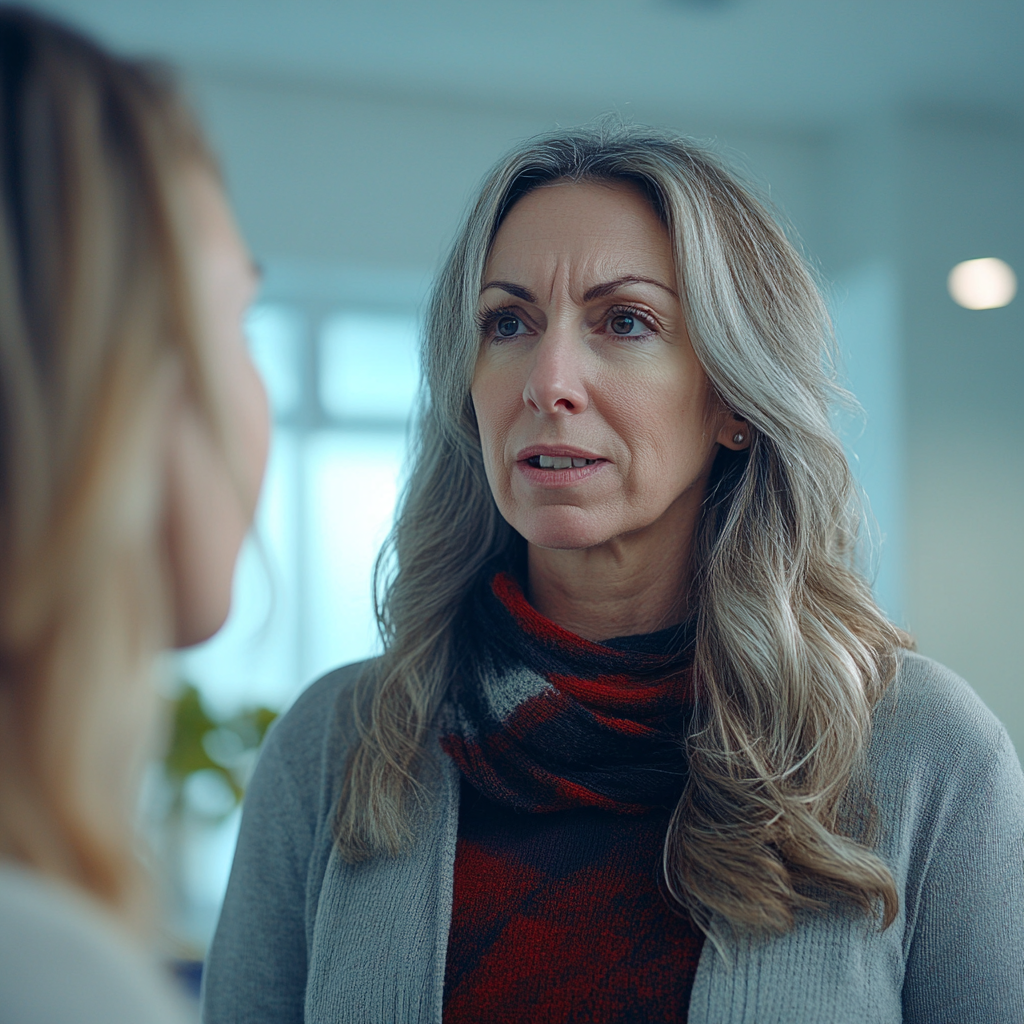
column 559, row 462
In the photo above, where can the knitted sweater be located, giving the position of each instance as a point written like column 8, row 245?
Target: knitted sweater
column 303, row 936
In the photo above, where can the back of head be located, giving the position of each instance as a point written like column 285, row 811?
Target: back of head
column 94, row 328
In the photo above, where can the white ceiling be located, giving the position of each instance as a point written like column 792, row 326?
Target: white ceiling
column 801, row 62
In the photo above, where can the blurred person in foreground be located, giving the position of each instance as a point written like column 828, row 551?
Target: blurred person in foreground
column 133, row 436
column 641, row 746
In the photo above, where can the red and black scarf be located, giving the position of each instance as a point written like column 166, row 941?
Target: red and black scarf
column 572, row 758
column 544, row 720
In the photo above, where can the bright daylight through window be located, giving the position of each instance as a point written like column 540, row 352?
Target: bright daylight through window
column 342, row 386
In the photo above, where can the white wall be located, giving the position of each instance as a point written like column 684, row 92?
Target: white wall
column 962, row 196
column 322, row 176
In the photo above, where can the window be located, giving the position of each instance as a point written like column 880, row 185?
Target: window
column 342, row 383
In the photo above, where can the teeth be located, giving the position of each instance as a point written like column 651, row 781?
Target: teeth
column 562, row 462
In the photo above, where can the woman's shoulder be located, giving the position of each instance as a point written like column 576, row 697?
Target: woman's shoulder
column 306, row 749
column 932, row 713
column 937, row 753
column 321, row 721
column 64, row 958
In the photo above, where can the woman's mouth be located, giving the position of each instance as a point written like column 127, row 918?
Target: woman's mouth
column 559, row 462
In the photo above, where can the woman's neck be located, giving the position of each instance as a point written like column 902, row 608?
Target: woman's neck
column 635, row 584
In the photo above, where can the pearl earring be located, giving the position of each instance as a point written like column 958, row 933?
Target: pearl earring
column 737, row 439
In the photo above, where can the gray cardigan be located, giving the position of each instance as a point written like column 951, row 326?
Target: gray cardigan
column 303, row 936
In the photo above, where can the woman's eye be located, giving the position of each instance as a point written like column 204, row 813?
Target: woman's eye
column 500, row 325
column 626, row 324
column 508, row 326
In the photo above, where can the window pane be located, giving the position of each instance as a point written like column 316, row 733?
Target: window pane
column 275, row 340
column 369, row 365
column 353, row 482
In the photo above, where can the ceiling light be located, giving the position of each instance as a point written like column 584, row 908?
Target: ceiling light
column 982, row 284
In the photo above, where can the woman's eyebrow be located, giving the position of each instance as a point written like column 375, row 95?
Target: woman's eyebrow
column 599, row 291
column 513, row 289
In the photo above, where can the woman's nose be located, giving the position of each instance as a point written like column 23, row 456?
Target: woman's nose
column 556, row 381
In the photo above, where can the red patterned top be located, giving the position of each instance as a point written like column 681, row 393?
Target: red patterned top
column 570, row 758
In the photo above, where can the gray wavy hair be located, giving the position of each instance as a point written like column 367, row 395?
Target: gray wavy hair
column 791, row 651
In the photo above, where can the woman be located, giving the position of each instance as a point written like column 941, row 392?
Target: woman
column 640, row 745
column 133, row 433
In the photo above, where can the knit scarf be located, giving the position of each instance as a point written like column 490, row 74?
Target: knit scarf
column 542, row 720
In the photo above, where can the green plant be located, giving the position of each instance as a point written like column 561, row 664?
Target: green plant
column 200, row 742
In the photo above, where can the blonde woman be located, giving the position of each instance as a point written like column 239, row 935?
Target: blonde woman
column 640, row 746
column 133, row 433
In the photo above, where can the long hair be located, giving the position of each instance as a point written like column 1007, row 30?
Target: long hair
column 96, row 336
column 791, row 651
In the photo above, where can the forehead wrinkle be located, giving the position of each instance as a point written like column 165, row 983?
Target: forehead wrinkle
column 597, row 274
column 571, row 276
column 534, row 277
column 577, row 262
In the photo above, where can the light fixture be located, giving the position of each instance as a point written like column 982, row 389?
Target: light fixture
column 982, row 284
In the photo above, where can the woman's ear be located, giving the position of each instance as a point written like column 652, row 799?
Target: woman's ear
column 734, row 433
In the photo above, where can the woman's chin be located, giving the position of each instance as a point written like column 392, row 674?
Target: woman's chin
column 562, row 529
column 201, row 620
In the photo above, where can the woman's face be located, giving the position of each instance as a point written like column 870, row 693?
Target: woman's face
column 213, row 484
column 596, row 419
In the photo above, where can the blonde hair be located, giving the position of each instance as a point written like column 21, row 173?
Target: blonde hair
column 791, row 651
column 96, row 336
